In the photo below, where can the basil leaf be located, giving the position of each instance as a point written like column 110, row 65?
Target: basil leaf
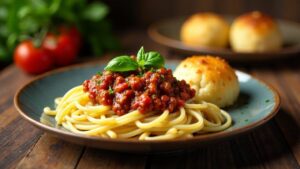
column 140, row 56
column 121, row 64
column 153, row 59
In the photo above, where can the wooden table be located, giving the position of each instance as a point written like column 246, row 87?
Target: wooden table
column 274, row 145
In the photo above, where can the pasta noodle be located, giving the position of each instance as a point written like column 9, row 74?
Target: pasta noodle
column 75, row 112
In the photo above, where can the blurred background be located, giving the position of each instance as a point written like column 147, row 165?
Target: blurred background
column 72, row 29
column 141, row 13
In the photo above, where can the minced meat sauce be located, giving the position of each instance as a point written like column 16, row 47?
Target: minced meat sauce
column 155, row 90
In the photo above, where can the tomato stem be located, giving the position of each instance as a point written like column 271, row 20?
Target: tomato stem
column 37, row 41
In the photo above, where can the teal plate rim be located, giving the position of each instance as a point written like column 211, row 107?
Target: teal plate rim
column 199, row 138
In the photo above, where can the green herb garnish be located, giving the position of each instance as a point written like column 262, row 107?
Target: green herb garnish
column 145, row 60
column 267, row 101
column 110, row 90
column 140, row 74
column 152, row 70
column 149, row 59
column 122, row 64
column 153, row 96
column 99, row 82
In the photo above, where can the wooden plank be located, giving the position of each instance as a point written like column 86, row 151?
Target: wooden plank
column 7, row 117
column 167, row 160
column 273, row 149
column 212, row 157
column 245, row 152
column 16, row 135
column 98, row 159
column 205, row 157
column 16, row 139
column 51, row 152
column 288, row 119
column 15, row 79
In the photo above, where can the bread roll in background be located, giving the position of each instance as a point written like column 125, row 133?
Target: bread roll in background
column 212, row 78
column 255, row 32
column 205, row 29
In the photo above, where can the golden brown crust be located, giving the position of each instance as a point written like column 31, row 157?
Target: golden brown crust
column 255, row 32
column 208, row 63
column 212, row 78
column 207, row 16
column 205, row 29
column 257, row 21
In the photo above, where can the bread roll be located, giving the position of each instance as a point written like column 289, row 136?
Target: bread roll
column 212, row 78
column 205, row 29
column 255, row 32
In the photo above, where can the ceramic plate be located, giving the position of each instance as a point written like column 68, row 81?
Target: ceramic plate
column 257, row 103
column 167, row 33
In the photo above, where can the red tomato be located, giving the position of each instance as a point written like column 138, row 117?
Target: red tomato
column 73, row 33
column 63, row 47
column 31, row 59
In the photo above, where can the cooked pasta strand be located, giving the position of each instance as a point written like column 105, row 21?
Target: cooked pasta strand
column 76, row 113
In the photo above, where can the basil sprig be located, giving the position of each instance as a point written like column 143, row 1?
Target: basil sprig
column 121, row 64
column 144, row 60
column 149, row 59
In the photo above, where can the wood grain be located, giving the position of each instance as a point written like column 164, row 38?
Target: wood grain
column 16, row 135
column 16, row 139
column 287, row 83
column 167, row 160
column 273, row 149
column 201, row 158
column 51, row 152
column 7, row 116
column 245, row 152
column 96, row 158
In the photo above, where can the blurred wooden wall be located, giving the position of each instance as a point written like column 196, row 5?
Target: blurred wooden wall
column 141, row 13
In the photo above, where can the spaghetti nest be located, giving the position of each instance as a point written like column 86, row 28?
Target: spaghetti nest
column 75, row 112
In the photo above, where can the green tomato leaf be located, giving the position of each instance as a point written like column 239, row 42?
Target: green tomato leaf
column 29, row 25
column 3, row 31
column 121, row 64
column 24, row 11
column 3, row 13
column 95, row 11
column 11, row 40
column 3, row 54
column 54, row 7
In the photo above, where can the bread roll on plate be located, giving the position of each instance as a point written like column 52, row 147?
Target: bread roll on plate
column 212, row 78
column 205, row 29
column 255, row 32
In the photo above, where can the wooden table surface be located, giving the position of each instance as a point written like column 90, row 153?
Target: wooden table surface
column 274, row 145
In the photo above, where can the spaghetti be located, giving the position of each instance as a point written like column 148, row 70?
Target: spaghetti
column 136, row 97
column 77, row 113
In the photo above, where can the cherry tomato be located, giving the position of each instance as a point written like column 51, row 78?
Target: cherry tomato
column 31, row 59
column 73, row 33
column 64, row 46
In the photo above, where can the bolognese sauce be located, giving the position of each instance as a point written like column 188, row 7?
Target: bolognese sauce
column 150, row 91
